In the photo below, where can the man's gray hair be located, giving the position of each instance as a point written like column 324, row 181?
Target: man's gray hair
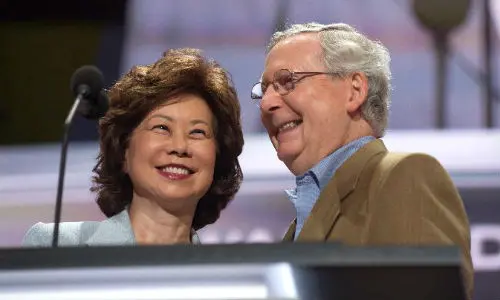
column 347, row 51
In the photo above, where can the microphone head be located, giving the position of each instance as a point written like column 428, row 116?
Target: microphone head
column 94, row 109
column 88, row 81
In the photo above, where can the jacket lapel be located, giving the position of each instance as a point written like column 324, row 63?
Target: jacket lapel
column 323, row 215
column 327, row 209
column 116, row 230
column 290, row 232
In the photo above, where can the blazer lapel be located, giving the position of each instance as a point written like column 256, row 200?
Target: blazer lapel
column 327, row 209
column 290, row 232
column 323, row 215
column 116, row 230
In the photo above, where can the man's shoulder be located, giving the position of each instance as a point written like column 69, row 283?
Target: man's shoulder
column 70, row 233
column 407, row 170
column 390, row 162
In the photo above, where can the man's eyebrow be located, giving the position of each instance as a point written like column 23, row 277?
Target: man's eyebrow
column 263, row 79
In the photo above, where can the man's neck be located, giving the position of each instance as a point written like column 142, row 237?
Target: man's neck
column 301, row 166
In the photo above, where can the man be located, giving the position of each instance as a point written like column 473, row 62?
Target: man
column 324, row 100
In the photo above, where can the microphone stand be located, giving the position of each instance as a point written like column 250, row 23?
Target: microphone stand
column 441, row 51
column 62, row 169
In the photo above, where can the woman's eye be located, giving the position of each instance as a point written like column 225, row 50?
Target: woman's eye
column 161, row 127
column 198, row 132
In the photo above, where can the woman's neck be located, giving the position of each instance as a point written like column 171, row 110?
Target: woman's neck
column 152, row 224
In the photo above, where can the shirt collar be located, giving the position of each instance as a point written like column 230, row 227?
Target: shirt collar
column 323, row 171
column 326, row 168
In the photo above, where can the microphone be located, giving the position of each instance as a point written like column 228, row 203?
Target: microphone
column 92, row 103
column 87, row 82
column 95, row 109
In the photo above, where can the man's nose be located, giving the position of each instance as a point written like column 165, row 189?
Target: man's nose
column 270, row 101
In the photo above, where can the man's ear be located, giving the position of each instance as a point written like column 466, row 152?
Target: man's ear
column 359, row 91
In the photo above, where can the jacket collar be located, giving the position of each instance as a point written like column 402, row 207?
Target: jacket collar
column 327, row 209
column 117, row 230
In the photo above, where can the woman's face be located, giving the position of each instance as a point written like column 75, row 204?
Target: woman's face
column 171, row 154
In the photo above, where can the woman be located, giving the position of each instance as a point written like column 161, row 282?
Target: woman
column 168, row 161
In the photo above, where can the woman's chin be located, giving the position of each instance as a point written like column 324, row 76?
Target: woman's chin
column 182, row 198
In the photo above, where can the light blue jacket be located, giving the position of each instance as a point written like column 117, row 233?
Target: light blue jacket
column 116, row 230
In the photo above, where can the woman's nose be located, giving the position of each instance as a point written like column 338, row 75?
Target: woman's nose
column 178, row 145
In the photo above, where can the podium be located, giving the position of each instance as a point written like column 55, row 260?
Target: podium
column 238, row 271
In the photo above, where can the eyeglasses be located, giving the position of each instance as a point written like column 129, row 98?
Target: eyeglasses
column 283, row 82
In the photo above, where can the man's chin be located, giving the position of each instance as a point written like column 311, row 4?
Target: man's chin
column 287, row 157
column 295, row 160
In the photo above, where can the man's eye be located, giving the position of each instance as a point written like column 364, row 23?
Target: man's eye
column 263, row 87
column 284, row 80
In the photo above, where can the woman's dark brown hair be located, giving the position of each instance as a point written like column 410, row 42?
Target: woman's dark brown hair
column 145, row 88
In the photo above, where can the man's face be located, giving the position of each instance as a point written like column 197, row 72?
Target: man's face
column 314, row 119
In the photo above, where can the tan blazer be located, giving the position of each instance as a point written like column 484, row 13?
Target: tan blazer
column 382, row 198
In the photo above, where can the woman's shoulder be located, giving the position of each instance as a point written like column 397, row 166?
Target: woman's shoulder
column 70, row 233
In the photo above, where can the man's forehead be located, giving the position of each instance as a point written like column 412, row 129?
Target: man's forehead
column 301, row 38
column 296, row 53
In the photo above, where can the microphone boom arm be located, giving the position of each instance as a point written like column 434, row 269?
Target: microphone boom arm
column 62, row 168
